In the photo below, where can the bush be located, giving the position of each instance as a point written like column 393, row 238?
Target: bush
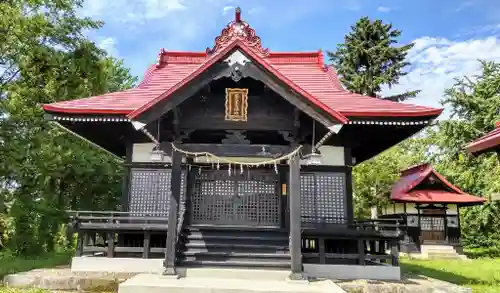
column 483, row 252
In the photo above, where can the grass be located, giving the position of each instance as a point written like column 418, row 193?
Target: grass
column 11, row 265
column 482, row 275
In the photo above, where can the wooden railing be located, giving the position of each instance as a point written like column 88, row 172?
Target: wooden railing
column 362, row 242
column 104, row 232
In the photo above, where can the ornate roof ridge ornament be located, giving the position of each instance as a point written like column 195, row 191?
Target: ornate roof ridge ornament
column 239, row 30
column 161, row 58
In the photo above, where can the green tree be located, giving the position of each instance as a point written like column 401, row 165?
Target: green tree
column 368, row 59
column 373, row 179
column 44, row 170
column 474, row 104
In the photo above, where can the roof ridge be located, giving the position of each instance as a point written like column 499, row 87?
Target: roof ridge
column 256, row 56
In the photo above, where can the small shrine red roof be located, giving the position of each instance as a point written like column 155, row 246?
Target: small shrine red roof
column 304, row 72
column 487, row 142
column 410, row 188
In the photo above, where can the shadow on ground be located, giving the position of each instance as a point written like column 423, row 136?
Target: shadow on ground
column 414, row 269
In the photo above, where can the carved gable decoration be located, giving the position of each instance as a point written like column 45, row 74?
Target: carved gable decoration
column 236, row 104
column 239, row 30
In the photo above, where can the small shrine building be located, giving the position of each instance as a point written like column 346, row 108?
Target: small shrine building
column 429, row 205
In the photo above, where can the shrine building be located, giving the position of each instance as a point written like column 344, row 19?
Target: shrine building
column 429, row 206
column 239, row 157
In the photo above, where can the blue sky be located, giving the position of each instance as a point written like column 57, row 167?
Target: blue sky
column 450, row 35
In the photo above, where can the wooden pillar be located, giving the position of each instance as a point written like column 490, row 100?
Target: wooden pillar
column 126, row 187
column 445, row 223
column 295, row 221
column 173, row 211
column 147, row 244
column 79, row 242
column 361, row 252
column 110, row 236
column 126, row 178
column 322, row 256
column 283, row 188
column 394, row 253
column 420, row 241
column 348, row 186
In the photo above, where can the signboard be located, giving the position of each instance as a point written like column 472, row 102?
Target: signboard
column 236, row 104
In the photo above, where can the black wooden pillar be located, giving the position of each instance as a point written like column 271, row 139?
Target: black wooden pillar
column 348, row 186
column 295, row 225
column 126, row 187
column 173, row 211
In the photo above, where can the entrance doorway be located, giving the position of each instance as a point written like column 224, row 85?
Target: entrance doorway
column 432, row 225
column 248, row 199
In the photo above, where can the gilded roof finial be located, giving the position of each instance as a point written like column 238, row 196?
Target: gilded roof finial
column 237, row 15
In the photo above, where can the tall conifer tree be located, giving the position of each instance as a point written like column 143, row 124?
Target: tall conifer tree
column 369, row 59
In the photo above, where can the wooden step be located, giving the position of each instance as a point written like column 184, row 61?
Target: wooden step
column 229, row 245
column 245, row 229
column 200, row 236
column 196, row 252
column 237, row 263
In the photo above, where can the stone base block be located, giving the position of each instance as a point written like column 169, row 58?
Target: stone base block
column 152, row 283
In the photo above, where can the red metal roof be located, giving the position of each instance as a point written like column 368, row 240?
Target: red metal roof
column 405, row 190
column 487, row 142
column 304, row 72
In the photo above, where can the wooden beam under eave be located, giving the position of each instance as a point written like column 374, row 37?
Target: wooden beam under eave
column 231, row 150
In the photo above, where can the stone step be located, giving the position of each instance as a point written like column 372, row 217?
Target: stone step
column 159, row 284
column 245, row 274
column 437, row 247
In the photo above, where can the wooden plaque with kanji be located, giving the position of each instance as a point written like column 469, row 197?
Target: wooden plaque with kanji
column 236, row 104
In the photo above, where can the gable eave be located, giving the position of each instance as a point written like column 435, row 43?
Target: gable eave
column 332, row 116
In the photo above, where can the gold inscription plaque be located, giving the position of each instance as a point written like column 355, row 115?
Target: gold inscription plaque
column 236, row 104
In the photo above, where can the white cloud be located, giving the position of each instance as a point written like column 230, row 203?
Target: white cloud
column 255, row 10
column 464, row 5
column 384, row 9
column 227, row 9
column 131, row 10
column 109, row 45
column 437, row 62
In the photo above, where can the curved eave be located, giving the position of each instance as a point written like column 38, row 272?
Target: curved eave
column 486, row 143
column 86, row 111
column 425, row 197
column 431, row 113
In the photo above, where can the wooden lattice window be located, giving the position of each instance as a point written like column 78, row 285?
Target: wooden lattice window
column 432, row 223
column 323, row 198
column 149, row 193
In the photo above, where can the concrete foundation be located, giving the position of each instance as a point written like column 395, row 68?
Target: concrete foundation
column 353, row 272
column 224, row 282
column 117, row 265
column 155, row 266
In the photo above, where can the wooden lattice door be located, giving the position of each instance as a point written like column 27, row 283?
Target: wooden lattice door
column 432, row 225
column 248, row 199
